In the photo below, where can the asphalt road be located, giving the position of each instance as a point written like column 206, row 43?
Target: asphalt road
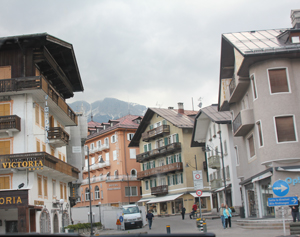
column 177, row 225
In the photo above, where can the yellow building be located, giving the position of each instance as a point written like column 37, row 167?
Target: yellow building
column 168, row 161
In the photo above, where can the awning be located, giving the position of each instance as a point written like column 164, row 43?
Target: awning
column 164, row 198
column 144, row 200
column 287, row 169
column 204, row 194
column 263, row 176
column 221, row 189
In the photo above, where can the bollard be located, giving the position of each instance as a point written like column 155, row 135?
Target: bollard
column 168, row 229
column 201, row 224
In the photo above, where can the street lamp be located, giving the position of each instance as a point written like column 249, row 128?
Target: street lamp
column 89, row 177
column 209, row 148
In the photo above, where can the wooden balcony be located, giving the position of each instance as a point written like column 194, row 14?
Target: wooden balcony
column 41, row 162
column 214, row 162
column 243, row 122
column 155, row 132
column 10, row 123
column 58, row 137
column 216, row 183
column 159, row 190
column 162, row 151
column 178, row 166
column 36, row 85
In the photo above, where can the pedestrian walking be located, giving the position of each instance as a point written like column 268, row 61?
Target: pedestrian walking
column 194, row 209
column 227, row 216
column 221, row 211
column 149, row 218
column 295, row 210
column 183, row 212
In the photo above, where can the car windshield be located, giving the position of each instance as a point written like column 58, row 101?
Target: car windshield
column 130, row 210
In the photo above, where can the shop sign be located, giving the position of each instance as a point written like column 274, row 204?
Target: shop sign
column 22, row 163
column 294, row 181
column 46, row 115
column 9, row 199
column 39, row 203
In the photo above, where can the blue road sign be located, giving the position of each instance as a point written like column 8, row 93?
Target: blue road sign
column 121, row 218
column 282, row 201
column 280, row 188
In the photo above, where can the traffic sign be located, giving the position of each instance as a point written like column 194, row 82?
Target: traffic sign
column 280, row 188
column 121, row 218
column 198, row 179
column 283, row 201
column 199, row 193
column 118, row 222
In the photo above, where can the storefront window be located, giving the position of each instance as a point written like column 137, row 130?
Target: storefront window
column 163, row 208
column 203, row 202
column 251, row 200
column 266, row 192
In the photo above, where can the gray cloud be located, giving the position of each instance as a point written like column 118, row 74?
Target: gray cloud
column 149, row 52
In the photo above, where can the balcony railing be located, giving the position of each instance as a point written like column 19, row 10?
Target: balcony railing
column 109, row 178
column 10, row 123
column 216, row 183
column 159, row 190
column 214, row 162
column 15, row 85
column 243, row 122
column 97, row 166
column 58, row 137
column 162, row 151
column 40, row 161
column 160, row 170
column 104, row 147
column 155, row 132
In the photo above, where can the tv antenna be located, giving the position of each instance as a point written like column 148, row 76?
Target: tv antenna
column 200, row 103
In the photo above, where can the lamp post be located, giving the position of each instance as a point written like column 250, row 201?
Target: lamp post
column 89, row 177
column 222, row 158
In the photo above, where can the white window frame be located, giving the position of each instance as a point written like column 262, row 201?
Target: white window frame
column 248, row 147
column 87, row 194
column 106, row 141
column 134, row 171
column 130, row 136
column 171, row 180
column 147, row 185
column 253, row 86
column 107, row 156
column 262, row 135
column 287, row 78
column 99, row 143
column 132, row 153
column 130, row 191
column 92, row 146
column 113, row 138
column 237, row 157
column 97, row 193
column 295, row 128
column 93, row 161
column 115, row 155
column 176, row 158
column 161, row 162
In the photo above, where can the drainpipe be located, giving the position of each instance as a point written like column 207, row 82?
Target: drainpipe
column 126, row 165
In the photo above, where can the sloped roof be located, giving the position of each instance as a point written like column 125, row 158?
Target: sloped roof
column 203, row 118
column 184, row 120
column 124, row 122
column 94, row 124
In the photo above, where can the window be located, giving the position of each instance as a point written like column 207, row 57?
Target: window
column 147, row 147
column 61, row 191
column 45, row 187
column 5, row 182
column 132, row 153
column 54, row 189
column 106, row 141
column 97, row 194
column 108, row 176
column 59, row 155
column 161, row 162
column 177, row 157
column 285, row 128
column 179, row 178
column 295, row 39
column 278, row 80
column 237, row 155
column 99, row 144
column 253, row 87
column 42, row 118
column 92, row 146
column 93, row 161
column 37, row 113
column 251, row 146
column 116, row 174
column 107, row 157
column 4, row 147
column 115, row 155
column 225, row 148
column 4, row 109
column 227, row 173
column 100, row 160
column 159, row 143
column 86, row 162
column 64, row 158
column 38, row 146
column 113, row 138
column 147, row 185
column 87, row 194
column 130, row 191
column 101, row 194
column 130, row 136
column 40, row 192
column 133, row 172
column 5, row 72
column 65, row 192
column 44, row 147
column 170, row 180
column 151, row 127
column 259, row 132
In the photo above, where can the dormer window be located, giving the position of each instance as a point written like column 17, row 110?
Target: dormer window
column 295, row 39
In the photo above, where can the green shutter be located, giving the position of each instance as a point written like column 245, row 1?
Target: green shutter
column 148, row 165
column 167, row 162
column 143, row 167
column 164, row 122
column 174, row 182
column 154, row 182
column 172, row 160
column 151, row 126
column 150, row 183
column 145, row 148
column 181, row 176
column 177, row 138
column 180, row 157
column 153, row 163
column 149, row 146
column 168, row 180
column 166, row 141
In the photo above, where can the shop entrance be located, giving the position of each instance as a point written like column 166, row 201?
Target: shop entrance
column 11, row 226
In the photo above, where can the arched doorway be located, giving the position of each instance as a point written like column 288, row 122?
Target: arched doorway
column 45, row 226
column 55, row 224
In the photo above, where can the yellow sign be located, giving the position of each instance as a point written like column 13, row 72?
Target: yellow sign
column 22, row 164
column 36, row 202
column 10, row 200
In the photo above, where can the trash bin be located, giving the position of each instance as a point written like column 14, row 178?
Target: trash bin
column 201, row 224
column 242, row 212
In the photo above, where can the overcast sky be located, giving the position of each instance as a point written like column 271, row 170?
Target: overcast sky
column 155, row 53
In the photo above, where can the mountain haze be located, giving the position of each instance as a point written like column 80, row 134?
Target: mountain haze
column 109, row 108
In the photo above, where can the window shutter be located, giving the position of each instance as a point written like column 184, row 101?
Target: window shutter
column 168, row 180
column 149, row 146
column 150, row 183
column 143, row 167
column 180, row 157
column 167, row 162
column 181, row 176
column 172, row 159
column 278, row 80
column 285, row 128
column 151, row 127
column 164, row 122
column 154, row 182
column 174, row 181
column 148, row 165
column 145, row 148
column 177, row 138
column 166, row 141
column 153, row 163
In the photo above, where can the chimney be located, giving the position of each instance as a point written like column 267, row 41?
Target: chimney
column 180, row 108
column 295, row 17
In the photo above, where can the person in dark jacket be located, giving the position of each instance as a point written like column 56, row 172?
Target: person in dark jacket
column 150, row 218
column 183, row 212
column 194, row 209
column 295, row 210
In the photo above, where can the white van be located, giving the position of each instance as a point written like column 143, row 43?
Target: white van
column 132, row 216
